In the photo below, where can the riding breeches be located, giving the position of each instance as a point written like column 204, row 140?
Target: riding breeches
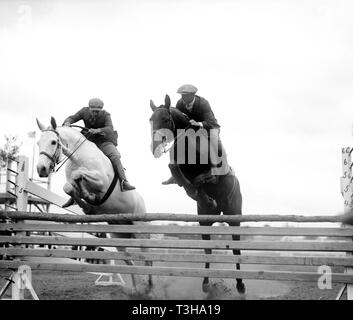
column 109, row 149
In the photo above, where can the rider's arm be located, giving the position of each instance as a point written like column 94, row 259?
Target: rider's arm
column 108, row 125
column 208, row 119
column 75, row 117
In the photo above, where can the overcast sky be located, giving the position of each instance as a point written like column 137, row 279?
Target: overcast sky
column 278, row 75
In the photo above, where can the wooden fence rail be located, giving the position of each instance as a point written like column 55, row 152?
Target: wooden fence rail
column 173, row 229
column 128, row 217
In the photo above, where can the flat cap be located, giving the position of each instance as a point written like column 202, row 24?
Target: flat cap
column 95, row 103
column 187, row 88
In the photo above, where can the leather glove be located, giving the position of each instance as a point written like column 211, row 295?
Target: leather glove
column 195, row 123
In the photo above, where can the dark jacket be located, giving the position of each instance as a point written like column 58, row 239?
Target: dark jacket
column 201, row 112
column 103, row 122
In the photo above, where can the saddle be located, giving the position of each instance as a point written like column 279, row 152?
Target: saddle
column 194, row 189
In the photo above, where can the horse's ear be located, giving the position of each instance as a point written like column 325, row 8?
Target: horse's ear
column 53, row 123
column 41, row 126
column 167, row 101
column 153, row 106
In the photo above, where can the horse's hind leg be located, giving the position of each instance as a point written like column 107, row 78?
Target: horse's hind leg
column 127, row 261
column 148, row 263
column 204, row 209
column 234, row 207
column 130, row 263
column 240, row 283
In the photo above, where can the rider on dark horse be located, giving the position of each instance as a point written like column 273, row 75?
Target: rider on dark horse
column 101, row 132
column 200, row 114
column 194, row 133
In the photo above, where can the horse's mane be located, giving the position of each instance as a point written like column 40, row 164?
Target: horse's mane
column 71, row 129
column 74, row 133
column 178, row 116
column 177, row 112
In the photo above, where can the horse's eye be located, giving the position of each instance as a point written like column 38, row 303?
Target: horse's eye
column 53, row 142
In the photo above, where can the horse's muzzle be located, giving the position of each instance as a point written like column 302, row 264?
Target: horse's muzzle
column 42, row 171
column 158, row 151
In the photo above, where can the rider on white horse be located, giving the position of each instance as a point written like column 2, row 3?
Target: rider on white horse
column 101, row 132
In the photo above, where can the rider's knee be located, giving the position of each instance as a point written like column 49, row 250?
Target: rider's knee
column 110, row 151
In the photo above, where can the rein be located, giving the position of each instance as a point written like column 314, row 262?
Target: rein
column 71, row 153
column 177, row 137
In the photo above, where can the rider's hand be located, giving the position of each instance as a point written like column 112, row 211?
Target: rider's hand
column 67, row 124
column 94, row 131
column 195, row 123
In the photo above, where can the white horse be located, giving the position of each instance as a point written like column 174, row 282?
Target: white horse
column 89, row 176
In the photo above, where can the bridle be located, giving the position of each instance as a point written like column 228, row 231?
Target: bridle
column 55, row 158
column 173, row 128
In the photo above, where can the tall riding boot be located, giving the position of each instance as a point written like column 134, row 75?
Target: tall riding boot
column 124, row 184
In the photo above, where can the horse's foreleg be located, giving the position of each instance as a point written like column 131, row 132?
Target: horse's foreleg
column 70, row 190
column 89, row 183
column 69, row 203
column 92, row 178
column 73, row 192
column 234, row 207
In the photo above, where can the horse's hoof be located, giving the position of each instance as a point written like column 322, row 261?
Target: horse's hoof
column 241, row 287
column 68, row 203
column 149, row 288
column 206, row 287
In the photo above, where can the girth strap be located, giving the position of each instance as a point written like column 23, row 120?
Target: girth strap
column 110, row 189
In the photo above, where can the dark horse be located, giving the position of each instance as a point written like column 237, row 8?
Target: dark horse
column 214, row 190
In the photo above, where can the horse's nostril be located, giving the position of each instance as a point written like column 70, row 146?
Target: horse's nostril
column 42, row 172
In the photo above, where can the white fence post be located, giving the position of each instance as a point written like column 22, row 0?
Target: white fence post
column 347, row 193
column 22, row 178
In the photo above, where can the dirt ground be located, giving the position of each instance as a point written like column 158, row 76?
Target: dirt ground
column 80, row 286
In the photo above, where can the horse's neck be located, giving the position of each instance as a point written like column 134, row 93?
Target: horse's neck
column 180, row 119
column 75, row 145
